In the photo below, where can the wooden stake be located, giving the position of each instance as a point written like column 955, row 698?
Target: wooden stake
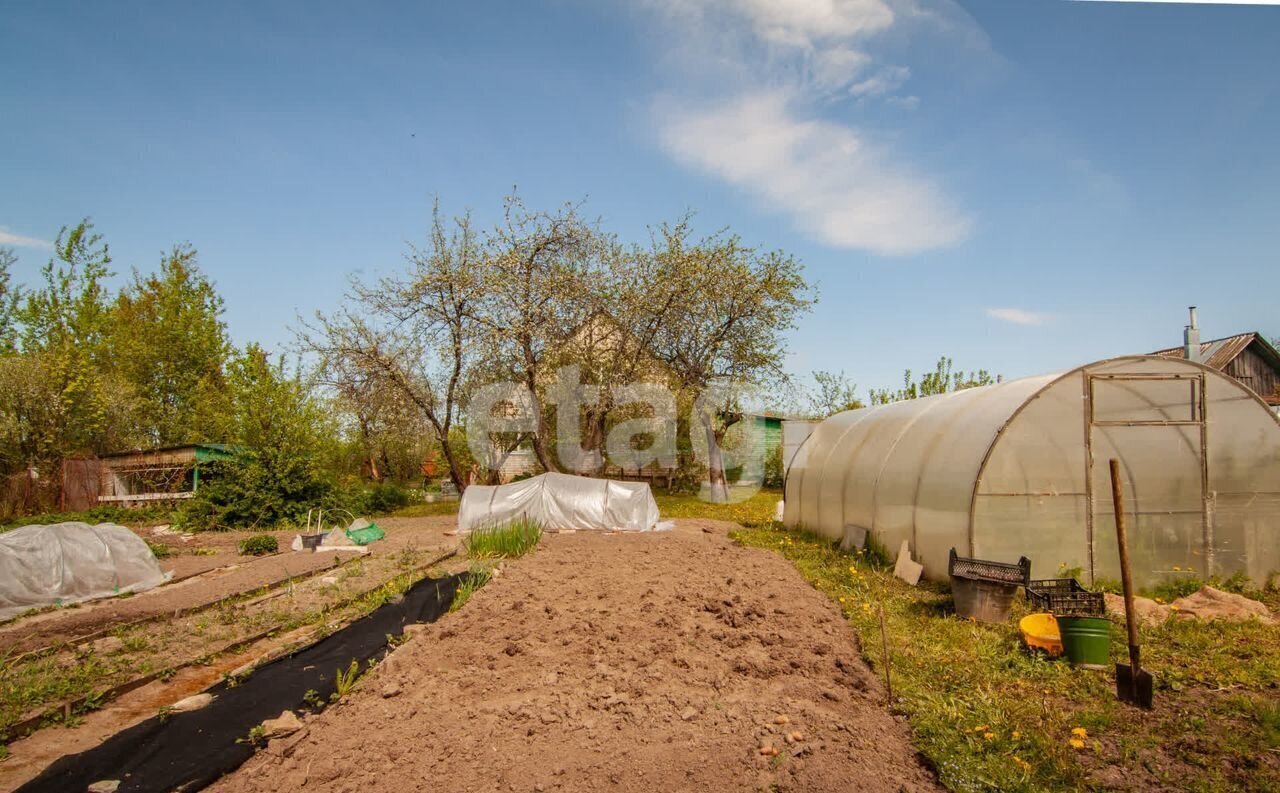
column 884, row 639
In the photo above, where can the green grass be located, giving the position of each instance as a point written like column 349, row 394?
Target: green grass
column 757, row 510
column 25, row 687
column 475, row 578
column 426, row 510
column 509, row 540
column 988, row 716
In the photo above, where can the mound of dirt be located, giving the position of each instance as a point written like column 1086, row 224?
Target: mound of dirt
column 1148, row 612
column 1214, row 604
column 639, row 662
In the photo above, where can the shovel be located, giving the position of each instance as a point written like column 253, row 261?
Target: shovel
column 1133, row 683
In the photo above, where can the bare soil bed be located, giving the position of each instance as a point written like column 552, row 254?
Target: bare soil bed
column 204, row 643
column 614, row 662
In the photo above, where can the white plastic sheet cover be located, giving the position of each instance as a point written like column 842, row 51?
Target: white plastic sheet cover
column 72, row 562
column 561, row 501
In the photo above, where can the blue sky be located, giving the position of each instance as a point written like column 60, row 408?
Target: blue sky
column 1023, row 185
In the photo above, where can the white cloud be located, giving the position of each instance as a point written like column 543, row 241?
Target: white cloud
column 1018, row 316
column 802, row 23
column 834, row 68
column 760, row 84
column 885, row 81
column 9, row 238
column 824, row 176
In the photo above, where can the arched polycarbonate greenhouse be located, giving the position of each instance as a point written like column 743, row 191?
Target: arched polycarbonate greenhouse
column 1021, row 468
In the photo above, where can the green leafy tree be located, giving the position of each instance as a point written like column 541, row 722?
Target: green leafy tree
column 8, row 303
column 732, row 305
column 67, row 321
column 941, row 380
column 833, row 393
column 31, row 420
column 285, row 440
column 171, row 345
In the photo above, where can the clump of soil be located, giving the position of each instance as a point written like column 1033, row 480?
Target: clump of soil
column 670, row 661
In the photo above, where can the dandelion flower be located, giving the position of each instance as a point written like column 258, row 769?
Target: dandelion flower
column 991, row 736
column 1016, row 736
column 1076, row 743
column 1080, row 732
column 983, row 728
column 1172, row 606
column 1177, row 569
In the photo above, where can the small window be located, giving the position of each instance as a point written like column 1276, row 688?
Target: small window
column 1145, row 400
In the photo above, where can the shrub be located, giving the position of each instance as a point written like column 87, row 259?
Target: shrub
column 153, row 513
column 248, row 493
column 378, row 498
column 259, row 545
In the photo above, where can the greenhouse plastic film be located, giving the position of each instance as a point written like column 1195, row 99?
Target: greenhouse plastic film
column 68, row 563
column 561, row 501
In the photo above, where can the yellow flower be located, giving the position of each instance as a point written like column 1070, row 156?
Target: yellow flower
column 1177, row 568
column 1080, row 732
column 1016, row 736
column 1159, row 600
column 983, row 728
column 1022, row 763
column 841, row 600
column 1076, row 743
column 1173, row 606
column 991, row 736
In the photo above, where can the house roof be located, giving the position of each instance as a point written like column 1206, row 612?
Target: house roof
column 1220, row 352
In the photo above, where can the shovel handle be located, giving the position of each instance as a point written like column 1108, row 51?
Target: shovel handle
column 1126, row 577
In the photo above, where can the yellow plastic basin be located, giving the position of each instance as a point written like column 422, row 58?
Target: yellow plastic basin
column 1040, row 632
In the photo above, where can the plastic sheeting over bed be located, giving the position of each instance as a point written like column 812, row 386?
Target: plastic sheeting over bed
column 561, row 501
column 72, row 562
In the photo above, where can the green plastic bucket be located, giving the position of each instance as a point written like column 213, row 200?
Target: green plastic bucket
column 1086, row 641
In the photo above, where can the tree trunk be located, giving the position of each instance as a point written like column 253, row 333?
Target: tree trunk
column 458, row 477
column 718, row 488
column 595, row 435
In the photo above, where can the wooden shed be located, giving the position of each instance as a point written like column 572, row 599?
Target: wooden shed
column 137, row 477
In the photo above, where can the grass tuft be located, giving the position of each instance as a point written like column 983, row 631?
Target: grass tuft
column 474, row 579
column 508, row 540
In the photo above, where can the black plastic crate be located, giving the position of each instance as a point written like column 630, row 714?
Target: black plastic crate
column 1065, row 597
column 1018, row 573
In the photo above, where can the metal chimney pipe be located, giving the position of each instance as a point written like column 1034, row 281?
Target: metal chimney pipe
column 1191, row 338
